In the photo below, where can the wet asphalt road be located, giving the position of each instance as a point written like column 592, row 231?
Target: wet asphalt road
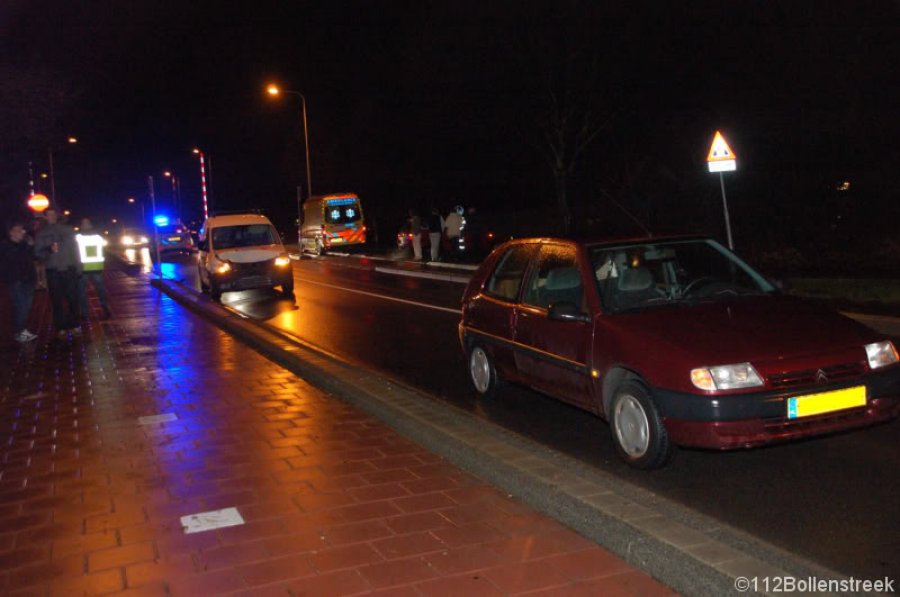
column 832, row 500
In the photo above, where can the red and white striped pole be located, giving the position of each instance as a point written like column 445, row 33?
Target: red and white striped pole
column 203, row 183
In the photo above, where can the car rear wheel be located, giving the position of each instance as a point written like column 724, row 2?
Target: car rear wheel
column 483, row 373
column 638, row 431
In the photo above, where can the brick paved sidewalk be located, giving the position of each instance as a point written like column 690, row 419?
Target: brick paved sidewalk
column 333, row 502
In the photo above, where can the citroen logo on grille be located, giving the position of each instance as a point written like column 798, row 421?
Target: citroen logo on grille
column 821, row 377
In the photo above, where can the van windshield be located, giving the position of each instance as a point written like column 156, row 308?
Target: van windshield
column 248, row 235
column 342, row 211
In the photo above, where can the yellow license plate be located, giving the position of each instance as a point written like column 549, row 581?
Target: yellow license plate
column 174, row 239
column 826, row 402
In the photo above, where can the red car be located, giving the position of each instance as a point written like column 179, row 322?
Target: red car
column 674, row 341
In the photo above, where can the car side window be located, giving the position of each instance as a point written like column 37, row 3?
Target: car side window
column 556, row 279
column 506, row 279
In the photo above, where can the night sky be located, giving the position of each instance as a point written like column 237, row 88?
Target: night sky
column 413, row 104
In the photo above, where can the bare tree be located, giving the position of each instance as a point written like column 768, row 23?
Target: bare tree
column 565, row 60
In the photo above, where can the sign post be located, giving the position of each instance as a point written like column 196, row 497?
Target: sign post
column 722, row 159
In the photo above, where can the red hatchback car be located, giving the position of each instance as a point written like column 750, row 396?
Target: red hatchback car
column 674, row 341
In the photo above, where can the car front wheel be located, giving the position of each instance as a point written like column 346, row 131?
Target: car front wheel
column 638, row 431
column 483, row 373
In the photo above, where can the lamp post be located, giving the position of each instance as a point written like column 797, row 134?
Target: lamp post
column 274, row 90
column 152, row 193
column 203, row 190
column 133, row 200
column 176, row 192
column 53, row 197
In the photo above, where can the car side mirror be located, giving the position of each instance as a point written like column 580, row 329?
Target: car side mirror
column 566, row 311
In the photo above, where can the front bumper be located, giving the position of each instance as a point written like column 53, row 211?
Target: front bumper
column 247, row 276
column 747, row 420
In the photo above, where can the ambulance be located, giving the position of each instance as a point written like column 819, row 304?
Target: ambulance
column 331, row 221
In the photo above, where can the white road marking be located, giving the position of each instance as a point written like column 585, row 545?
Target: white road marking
column 383, row 296
column 428, row 275
column 154, row 419
column 214, row 519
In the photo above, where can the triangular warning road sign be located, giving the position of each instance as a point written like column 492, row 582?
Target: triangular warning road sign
column 720, row 157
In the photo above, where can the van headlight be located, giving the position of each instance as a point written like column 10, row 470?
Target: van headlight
column 223, row 268
column 282, row 260
column 726, row 377
column 881, row 354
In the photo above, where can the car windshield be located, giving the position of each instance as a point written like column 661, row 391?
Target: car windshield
column 248, row 235
column 636, row 276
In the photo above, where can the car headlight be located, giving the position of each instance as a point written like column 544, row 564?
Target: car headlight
column 223, row 268
column 127, row 240
column 144, row 240
column 282, row 260
column 881, row 354
column 726, row 377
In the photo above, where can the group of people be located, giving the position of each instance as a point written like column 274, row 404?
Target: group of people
column 444, row 232
column 71, row 262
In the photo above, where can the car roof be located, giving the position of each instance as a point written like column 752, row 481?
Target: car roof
column 236, row 220
column 599, row 241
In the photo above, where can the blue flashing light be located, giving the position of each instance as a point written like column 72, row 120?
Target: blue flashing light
column 345, row 201
column 161, row 220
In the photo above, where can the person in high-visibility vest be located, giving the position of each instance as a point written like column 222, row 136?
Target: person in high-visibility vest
column 90, row 250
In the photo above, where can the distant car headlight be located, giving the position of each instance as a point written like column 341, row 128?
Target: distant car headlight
column 726, row 377
column 223, row 268
column 282, row 260
column 127, row 240
column 881, row 354
column 144, row 240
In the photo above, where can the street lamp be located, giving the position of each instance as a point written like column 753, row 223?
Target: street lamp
column 199, row 153
column 274, row 90
column 53, row 198
column 176, row 192
column 133, row 200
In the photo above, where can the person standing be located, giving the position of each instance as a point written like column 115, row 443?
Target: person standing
column 90, row 252
column 55, row 245
column 415, row 229
column 452, row 228
column 435, row 230
column 19, row 273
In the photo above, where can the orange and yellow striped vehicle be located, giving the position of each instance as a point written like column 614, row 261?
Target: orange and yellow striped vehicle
column 331, row 221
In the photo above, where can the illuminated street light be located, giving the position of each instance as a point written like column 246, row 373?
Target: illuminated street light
column 176, row 192
column 53, row 197
column 275, row 90
column 133, row 200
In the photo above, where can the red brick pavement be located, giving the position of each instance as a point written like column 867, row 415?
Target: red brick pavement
column 334, row 502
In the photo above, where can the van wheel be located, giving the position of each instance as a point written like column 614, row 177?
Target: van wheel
column 483, row 373
column 638, row 431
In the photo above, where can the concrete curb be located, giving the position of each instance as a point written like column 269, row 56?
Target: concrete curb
column 688, row 551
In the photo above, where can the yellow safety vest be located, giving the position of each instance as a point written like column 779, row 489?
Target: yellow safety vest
column 90, row 249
